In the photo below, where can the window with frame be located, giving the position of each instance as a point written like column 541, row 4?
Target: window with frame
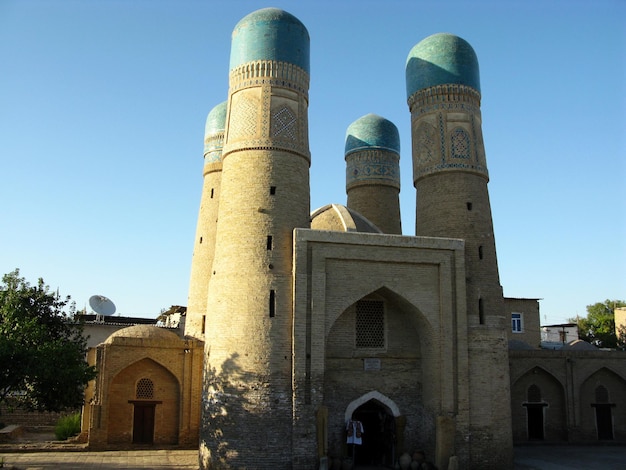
column 370, row 324
column 517, row 323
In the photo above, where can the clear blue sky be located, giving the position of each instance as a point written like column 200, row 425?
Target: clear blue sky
column 103, row 106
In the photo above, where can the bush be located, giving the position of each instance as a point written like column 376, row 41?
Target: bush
column 67, row 426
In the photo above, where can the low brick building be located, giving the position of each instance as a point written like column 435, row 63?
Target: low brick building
column 147, row 390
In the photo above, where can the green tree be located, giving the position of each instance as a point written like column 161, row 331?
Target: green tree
column 598, row 327
column 42, row 347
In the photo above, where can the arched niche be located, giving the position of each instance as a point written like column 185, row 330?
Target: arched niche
column 131, row 414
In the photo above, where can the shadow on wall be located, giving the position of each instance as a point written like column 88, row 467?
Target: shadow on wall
column 237, row 428
column 215, row 390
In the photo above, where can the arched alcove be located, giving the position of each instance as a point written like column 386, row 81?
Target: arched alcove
column 143, row 405
column 602, row 403
column 538, row 407
column 398, row 373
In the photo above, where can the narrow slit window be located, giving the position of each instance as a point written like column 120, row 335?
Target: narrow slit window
column 212, row 191
column 469, row 206
column 272, row 303
column 480, row 252
column 272, row 190
column 481, row 311
column 203, row 323
column 269, row 242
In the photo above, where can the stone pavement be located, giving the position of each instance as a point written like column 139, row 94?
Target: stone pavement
column 548, row 457
column 107, row 460
column 526, row 458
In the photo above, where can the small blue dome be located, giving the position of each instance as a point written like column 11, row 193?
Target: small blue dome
column 372, row 131
column 213, row 141
column 216, row 120
column 270, row 34
column 441, row 59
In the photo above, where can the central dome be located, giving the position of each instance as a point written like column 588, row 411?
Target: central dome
column 270, row 34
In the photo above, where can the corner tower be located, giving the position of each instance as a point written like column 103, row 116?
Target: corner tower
column 204, row 244
column 450, row 177
column 373, row 171
column 247, row 396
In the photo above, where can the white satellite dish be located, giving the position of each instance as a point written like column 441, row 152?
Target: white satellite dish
column 102, row 305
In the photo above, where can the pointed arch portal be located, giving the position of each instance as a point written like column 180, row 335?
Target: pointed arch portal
column 377, row 415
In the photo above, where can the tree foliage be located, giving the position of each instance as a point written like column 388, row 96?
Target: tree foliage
column 42, row 347
column 598, row 327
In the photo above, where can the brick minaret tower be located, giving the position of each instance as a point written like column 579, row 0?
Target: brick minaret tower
column 450, row 176
column 373, row 171
column 247, row 398
column 204, row 244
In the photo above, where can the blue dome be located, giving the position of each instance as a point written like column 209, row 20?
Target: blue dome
column 213, row 141
column 270, row 34
column 216, row 120
column 372, row 131
column 441, row 59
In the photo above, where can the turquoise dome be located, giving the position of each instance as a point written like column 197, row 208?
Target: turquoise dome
column 216, row 120
column 213, row 141
column 372, row 131
column 441, row 59
column 270, row 34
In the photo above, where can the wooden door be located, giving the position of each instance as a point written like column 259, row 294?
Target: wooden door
column 143, row 423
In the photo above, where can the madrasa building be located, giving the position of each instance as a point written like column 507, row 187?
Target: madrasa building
column 315, row 336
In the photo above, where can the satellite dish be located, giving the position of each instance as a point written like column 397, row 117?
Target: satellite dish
column 102, row 305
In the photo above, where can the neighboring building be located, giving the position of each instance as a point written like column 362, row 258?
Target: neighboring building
column 524, row 314
column 97, row 328
column 620, row 324
column 300, row 322
column 557, row 336
column 146, row 391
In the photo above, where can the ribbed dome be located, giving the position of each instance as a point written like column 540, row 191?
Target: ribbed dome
column 339, row 218
column 270, row 34
column 144, row 332
column 216, row 120
column 372, row 132
column 441, row 59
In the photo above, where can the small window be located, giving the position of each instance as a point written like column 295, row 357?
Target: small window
column 203, row 323
column 145, row 389
column 534, row 394
column 517, row 324
column 272, row 305
column 481, row 312
column 272, row 190
column 602, row 394
column 269, row 242
column 469, row 206
column 370, row 324
column 480, row 252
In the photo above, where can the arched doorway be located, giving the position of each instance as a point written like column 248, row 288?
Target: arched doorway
column 378, row 437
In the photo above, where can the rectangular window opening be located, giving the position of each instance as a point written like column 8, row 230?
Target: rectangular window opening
column 481, row 312
column 370, row 324
column 272, row 303
column 203, row 323
column 516, row 323
column 272, row 190
column 269, row 242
